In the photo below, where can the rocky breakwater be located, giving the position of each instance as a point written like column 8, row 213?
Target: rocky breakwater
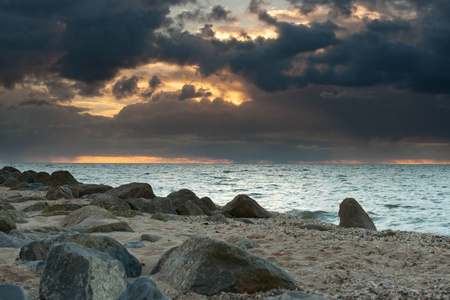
column 76, row 264
column 198, row 250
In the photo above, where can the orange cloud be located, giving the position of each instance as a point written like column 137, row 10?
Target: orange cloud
column 139, row 160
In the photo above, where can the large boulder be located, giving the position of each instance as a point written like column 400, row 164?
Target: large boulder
column 111, row 203
column 142, row 288
column 190, row 209
column 13, row 292
column 74, row 218
column 40, row 250
column 206, row 266
column 351, row 214
column 133, row 190
column 59, row 178
column 60, row 192
column 6, row 222
column 42, row 177
column 182, row 197
column 27, row 176
column 242, row 206
column 151, row 206
column 89, row 189
column 9, row 169
column 76, row 272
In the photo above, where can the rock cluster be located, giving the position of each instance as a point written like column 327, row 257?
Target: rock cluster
column 78, row 265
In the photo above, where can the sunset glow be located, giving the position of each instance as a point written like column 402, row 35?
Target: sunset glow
column 138, row 160
column 335, row 82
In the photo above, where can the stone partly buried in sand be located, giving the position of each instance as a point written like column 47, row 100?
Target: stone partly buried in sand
column 206, row 266
column 77, row 272
column 351, row 214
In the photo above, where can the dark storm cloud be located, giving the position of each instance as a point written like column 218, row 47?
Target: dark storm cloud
column 126, row 87
column 303, row 124
column 207, row 31
column 88, row 41
column 344, row 7
column 155, row 82
column 218, row 13
column 189, row 91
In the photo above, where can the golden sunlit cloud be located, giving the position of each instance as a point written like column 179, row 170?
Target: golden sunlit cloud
column 139, row 160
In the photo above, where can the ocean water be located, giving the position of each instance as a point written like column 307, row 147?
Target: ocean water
column 397, row 197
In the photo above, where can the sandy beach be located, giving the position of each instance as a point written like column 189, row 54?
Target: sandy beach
column 337, row 263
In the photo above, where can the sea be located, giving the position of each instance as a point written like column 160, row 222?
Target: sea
column 397, row 197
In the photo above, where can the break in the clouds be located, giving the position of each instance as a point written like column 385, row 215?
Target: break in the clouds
column 282, row 81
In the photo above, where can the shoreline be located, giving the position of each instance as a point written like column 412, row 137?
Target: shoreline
column 324, row 259
column 341, row 263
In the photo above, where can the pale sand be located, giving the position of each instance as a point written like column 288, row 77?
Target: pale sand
column 340, row 263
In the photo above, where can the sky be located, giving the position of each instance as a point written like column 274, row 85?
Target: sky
column 203, row 81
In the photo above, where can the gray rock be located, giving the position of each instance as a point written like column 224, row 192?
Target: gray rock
column 60, row 192
column 242, row 206
column 6, row 222
column 16, row 215
column 189, row 209
column 142, row 288
column 217, row 218
column 216, row 267
column 89, row 189
column 91, row 211
column 11, row 241
column 60, row 178
column 39, row 206
column 351, row 214
column 10, row 169
column 133, row 190
column 10, row 182
column 247, row 244
column 42, row 177
column 39, row 233
column 151, row 206
column 76, row 272
column 134, row 245
column 105, row 228
column 27, row 177
column 13, row 292
column 111, row 203
column 181, row 198
column 39, row 250
column 6, row 206
column 150, row 237
column 291, row 295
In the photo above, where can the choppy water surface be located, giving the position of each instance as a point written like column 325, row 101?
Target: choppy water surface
column 399, row 197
